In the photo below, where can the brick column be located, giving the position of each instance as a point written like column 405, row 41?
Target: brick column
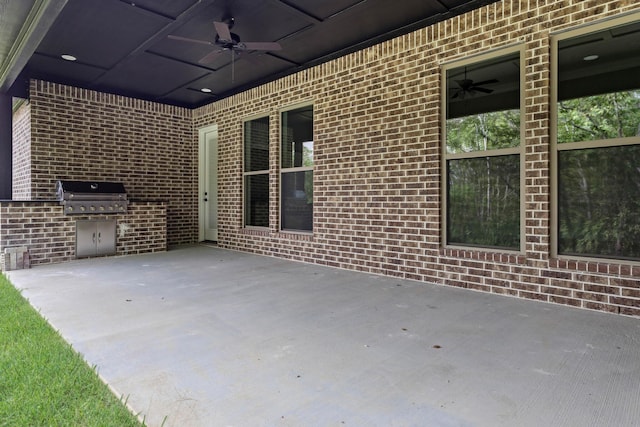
column 6, row 146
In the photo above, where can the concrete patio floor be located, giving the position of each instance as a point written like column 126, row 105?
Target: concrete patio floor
column 200, row 336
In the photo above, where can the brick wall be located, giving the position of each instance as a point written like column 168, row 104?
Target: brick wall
column 78, row 134
column 377, row 151
column 22, row 152
column 50, row 235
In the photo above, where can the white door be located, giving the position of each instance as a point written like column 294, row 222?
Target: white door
column 208, row 183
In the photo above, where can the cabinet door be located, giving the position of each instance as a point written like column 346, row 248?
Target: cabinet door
column 105, row 237
column 85, row 238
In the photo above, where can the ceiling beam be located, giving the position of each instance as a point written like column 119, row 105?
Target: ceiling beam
column 26, row 34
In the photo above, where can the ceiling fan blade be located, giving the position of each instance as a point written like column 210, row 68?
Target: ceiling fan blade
column 224, row 34
column 482, row 89
column 259, row 46
column 254, row 59
column 185, row 39
column 486, row 82
column 209, row 57
column 465, row 84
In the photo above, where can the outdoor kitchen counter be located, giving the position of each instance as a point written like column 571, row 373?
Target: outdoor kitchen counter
column 42, row 228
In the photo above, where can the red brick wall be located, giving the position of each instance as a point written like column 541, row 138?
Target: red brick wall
column 377, row 174
column 22, row 152
column 78, row 134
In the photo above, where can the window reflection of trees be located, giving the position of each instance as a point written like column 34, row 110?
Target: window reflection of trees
column 599, row 201
column 483, row 135
column 485, row 131
column 599, row 188
column 598, row 136
column 484, row 201
column 606, row 116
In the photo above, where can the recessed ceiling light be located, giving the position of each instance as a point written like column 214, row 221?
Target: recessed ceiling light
column 69, row 57
column 590, row 57
column 205, row 90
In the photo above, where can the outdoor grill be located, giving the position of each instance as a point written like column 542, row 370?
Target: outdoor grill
column 90, row 197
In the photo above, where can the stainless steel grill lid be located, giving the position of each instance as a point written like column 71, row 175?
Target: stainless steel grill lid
column 92, row 197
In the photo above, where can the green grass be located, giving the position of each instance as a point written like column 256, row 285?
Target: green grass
column 43, row 381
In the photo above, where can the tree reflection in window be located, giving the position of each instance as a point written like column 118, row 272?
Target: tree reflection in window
column 598, row 136
column 599, row 201
column 482, row 149
column 484, row 201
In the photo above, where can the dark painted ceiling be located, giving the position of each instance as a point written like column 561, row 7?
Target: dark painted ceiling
column 123, row 46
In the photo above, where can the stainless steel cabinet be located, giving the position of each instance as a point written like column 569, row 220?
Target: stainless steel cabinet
column 96, row 237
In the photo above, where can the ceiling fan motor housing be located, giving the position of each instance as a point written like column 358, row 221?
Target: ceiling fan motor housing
column 235, row 39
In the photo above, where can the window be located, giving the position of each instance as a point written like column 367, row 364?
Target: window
column 597, row 135
column 296, row 161
column 256, row 172
column 482, row 167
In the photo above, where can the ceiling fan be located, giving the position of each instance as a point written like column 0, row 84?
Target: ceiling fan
column 227, row 41
column 469, row 87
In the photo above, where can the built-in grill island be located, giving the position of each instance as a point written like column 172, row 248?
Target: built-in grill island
column 73, row 220
column 94, row 237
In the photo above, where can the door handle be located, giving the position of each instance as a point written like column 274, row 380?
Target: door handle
column 93, row 237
